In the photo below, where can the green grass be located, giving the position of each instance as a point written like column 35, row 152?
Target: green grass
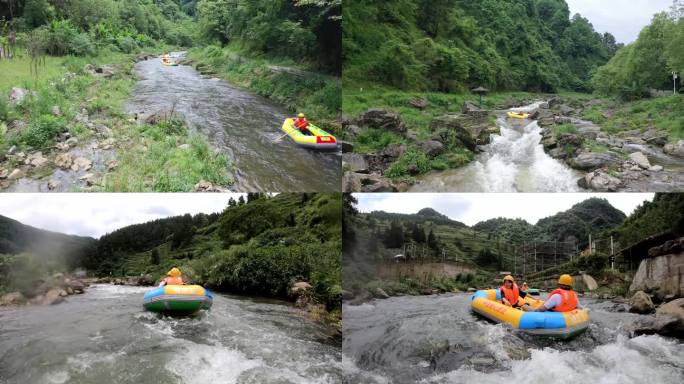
column 374, row 140
column 662, row 113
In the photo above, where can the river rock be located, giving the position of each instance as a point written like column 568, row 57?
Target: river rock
column 64, row 160
column 432, row 148
column 36, row 159
column 656, row 168
column 4, row 172
column 600, row 181
column 379, row 293
column 13, row 298
column 51, row 297
column 593, row 160
column 640, row 159
column 53, row 184
column 81, row 163
column 375, row 183
column 656, row 137
column 382, row 119
column 673, row 309
column 676, row 149
column 354, row 162
column 660, row 273
column 393, row 151
column 206, row 186
column 346, row 146
column 17, row 95
column 363, row 297
column 641, row 303
column 468, row 131
column 351, row 182
column 419, row 103
column 16, row 174
column 299, row 288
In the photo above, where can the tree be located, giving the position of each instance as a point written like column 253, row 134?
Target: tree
column 417, row 233
column 232, row 202
column 394, row 236
column 432, row 242
column 38, row 12
column 241, row 201
column 154, row 257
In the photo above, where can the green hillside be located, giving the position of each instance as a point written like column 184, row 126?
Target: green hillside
column 28, row 254
column 453, row 45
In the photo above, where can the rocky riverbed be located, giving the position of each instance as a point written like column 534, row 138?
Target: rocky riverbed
column 553, row 150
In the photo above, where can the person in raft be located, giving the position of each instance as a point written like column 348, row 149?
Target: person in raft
column 173, row 277
column 510, row 292
column 524, row 287
column 561, row 299
column 302, row 124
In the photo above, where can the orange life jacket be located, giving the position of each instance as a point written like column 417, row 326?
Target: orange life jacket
column 511, row 294
column 169, row 280
column 568, row 300
column 301, row 123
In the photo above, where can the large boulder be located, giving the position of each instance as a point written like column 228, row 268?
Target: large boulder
column 655, row 137
column 468, row 131
column 419, row 103
column 77, row 286
column 393, row 151
column 600, row 181
column 359, row 182
column 379, row 293
column 641, row 303
column 593, row 160
column 52, row 297
column 432, row 148
column 300, row 287
column 382, row 119
column 640, row 159
column 13, row 298
column 673, row 310
column 659, row 274
column 354, row 162
column 676, row 149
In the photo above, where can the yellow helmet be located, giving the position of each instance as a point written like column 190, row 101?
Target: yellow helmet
column 509, row 277
column 565, row 280
column 174, row 272
column 525, row 284
column 300, row 115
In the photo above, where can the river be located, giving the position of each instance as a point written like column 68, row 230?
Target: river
column 105, row 336
column 241, row 125
column 514, row 161
column 437, row 339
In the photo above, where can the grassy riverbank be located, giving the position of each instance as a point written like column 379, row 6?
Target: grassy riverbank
column 69, row 97
column 296, row 87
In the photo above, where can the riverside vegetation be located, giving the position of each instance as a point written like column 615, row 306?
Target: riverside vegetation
column 288, row 248
column 69, row 67
column 410, row 65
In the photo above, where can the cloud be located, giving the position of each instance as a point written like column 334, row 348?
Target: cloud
column 471, row 208
column 95, row 214
column 622, row 18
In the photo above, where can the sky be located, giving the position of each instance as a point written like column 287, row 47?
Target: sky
column 622, row 18
column 95, row 214
column 471, row 208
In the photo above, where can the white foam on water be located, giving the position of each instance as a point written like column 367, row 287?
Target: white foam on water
column 645, row 359
column 85, row 361
column 351, row 370
column 200, row 364
column 59, row 377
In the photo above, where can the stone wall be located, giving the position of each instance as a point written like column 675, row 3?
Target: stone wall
column 662, row 273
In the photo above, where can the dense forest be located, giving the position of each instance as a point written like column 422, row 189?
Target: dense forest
column 591, row 216
column 452, row 45
column 260, row 245
column 527, row 45
column 304, row 30
column 664, row 214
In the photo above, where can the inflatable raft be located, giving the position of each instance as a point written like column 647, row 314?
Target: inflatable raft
column 178, row 299
column 518, row 115
column 562, row 325
column 169, row 60
column 319, row 140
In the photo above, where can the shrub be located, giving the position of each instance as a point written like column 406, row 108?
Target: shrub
column 127, row 44
column 411, row 162
column 42, row 130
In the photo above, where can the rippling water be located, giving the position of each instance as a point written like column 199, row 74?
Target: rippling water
column 437, row 339
column 514, row 161
column 105, row 336
column 242, row 125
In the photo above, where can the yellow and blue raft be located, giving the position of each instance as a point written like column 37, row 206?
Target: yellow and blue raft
column 319, row 140
column 562, row 325
column 518, row 115
column 178, row 299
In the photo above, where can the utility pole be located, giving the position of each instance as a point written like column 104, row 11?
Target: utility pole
column 674, row 82
column 612, row 255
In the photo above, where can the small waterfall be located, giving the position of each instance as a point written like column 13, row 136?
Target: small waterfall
column 514, row 161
